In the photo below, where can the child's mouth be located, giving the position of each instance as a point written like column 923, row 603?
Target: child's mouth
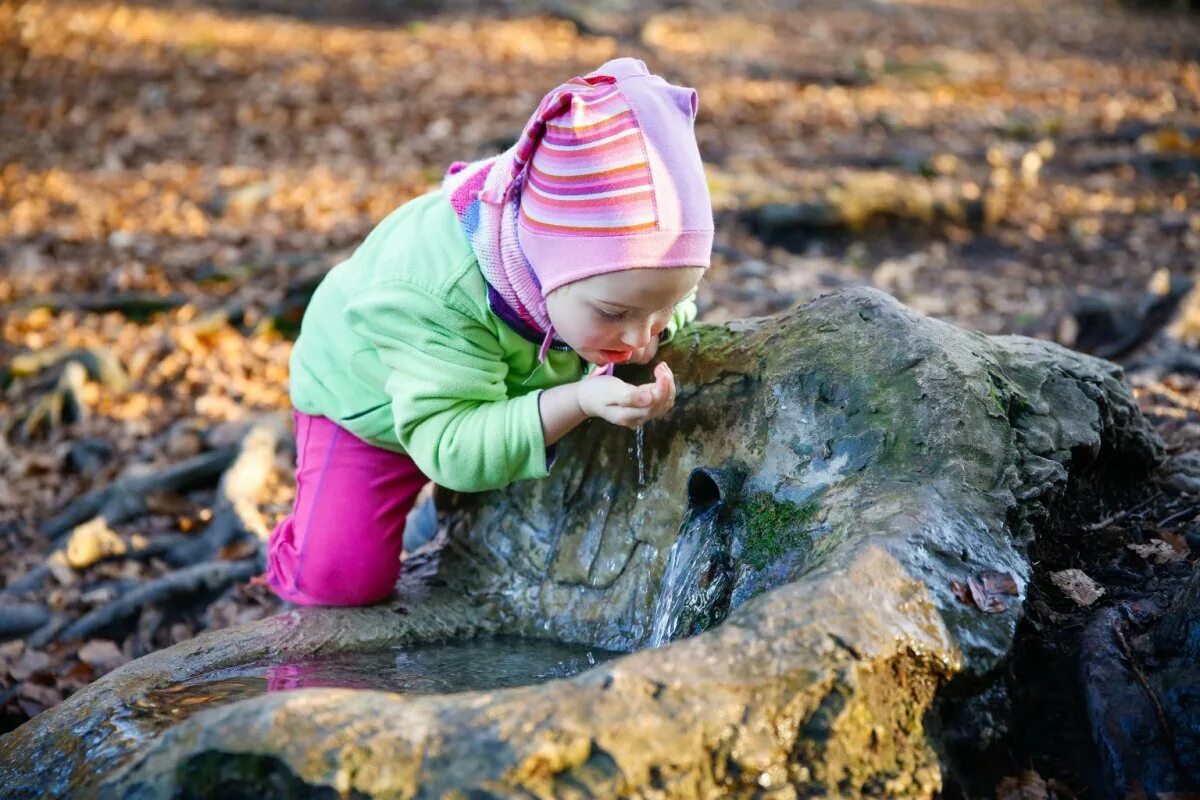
column 616, row 355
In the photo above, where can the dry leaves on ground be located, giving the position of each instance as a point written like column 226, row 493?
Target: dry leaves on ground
column 1157, row 551
column 988, row 590
column 1077, row 586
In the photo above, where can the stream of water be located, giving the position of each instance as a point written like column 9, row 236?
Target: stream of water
column 695, row 580
column 641, row 461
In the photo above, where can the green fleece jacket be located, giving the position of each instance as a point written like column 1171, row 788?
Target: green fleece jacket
column 400, row 347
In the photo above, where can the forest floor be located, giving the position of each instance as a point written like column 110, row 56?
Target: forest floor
column 176, row 176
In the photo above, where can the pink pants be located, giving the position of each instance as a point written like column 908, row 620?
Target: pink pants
column 341, row 544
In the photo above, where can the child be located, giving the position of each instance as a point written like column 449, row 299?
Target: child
column 451, row 346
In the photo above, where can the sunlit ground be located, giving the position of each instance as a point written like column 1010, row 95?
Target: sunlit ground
column 984, row 162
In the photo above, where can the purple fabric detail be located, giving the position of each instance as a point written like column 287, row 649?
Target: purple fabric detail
column 546, row 343
column 510, row 318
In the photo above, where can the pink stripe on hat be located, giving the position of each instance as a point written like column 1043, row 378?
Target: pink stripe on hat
column 610, row 178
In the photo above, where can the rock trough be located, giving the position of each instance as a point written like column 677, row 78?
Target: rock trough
column 826, row 480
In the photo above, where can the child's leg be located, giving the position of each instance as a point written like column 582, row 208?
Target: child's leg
column 341, row 544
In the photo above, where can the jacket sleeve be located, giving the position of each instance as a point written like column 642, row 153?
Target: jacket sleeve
column 450, row 404
column 685, row 312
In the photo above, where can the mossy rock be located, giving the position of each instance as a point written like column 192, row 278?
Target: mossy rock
column 848, row 460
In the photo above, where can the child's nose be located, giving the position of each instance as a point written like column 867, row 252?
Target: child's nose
column 638, row 335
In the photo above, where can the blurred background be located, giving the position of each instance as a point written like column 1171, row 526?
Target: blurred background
column 176, row 177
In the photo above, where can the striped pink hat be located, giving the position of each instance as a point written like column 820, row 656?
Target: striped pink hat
column 613, row 178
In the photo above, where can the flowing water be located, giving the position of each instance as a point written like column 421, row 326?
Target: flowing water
column 696, row 583
column 641, row 460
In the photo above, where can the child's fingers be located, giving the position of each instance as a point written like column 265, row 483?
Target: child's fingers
column 616, row 392
column 636, row 397
column 664, row 387
column 663, row 375
column 631, row 417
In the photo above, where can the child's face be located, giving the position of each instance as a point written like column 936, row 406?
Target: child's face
column 606, row 317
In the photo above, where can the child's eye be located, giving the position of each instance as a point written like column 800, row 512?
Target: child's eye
column 609, row 315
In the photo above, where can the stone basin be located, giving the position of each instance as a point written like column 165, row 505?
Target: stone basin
column 783, row 585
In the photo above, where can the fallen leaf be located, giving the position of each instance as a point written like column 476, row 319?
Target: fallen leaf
column 92, row 541
column 10, row 651
column 236, row 551
column 1026, row 786
column 43, row 695
column 103, row 654
column 1177, row 541
column 1156, row 551
column 986, row 590
column 77, row 677
column 961, row 592
column 1077, row 585
column 60, row 569
column 29, row 663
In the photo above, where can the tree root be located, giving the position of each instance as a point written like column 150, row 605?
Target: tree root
column 211, row 576
column 100, row 362
column 244, row 470
column 126, row 498
column 62, row 404
column 1179, row 630
column 1131, row 661
column 135, row 305
column 19, row 619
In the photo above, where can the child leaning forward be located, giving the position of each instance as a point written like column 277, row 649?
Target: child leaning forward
column 478, row 324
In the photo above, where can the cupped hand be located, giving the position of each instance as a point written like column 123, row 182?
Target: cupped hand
column 644, row 355
column 621, row 403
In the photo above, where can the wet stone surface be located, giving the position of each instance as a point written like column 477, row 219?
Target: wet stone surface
column 828, row 476
column 435, row 668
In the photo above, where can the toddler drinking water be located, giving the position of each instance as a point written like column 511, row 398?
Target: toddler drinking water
column 478, row 324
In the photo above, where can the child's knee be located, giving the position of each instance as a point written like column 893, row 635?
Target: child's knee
column 344, row 582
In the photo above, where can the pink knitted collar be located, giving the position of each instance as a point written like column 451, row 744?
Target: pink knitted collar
column 491, row 229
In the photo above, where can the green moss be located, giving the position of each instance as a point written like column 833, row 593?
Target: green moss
column 702, row 337
column 773, row 528
column 1007, row 396
column 998, row 400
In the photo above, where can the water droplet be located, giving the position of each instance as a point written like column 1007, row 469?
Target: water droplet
column 591, row 658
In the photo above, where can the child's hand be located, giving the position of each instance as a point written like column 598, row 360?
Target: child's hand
column 620, row 403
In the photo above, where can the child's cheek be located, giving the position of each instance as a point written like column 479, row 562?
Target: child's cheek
column 602, row 337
